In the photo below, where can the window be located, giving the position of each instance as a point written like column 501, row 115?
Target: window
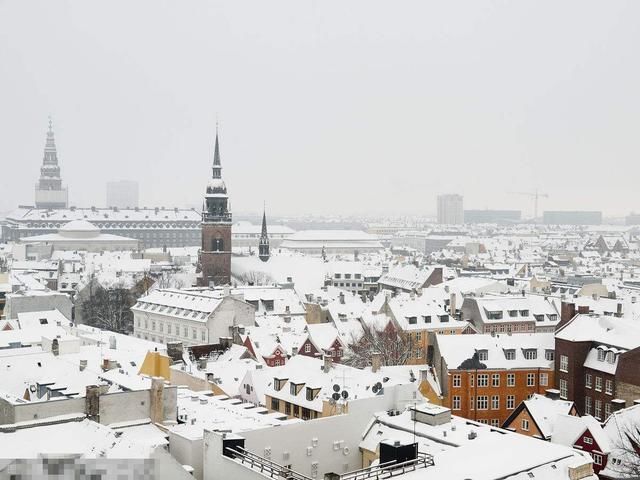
column 418, row 336
column 530, row 354
column 597, row 412
column 456, row 403
column 293, row 389
column 307, row 348
column 588, row 380
column 472, row 402
column 531, row 379
column 544, row 379
column 495, row 402
column 427, row 319
column 471, row 377
column 588, row 405
column 564, row 363
column 611, row 358
column 510, row 354
column 203, row 335
column 524, row 313
column 194, row 333
column 153, row 325
column 511, row 402
column 563, row 389
column 185, row 332
column 608, row 387
column 511, row 379
column 275, row 404
column 169, row 328
column 310, row 394
column 513, row 313
column 287, row 408
column 495, row 422
column 587, row 440
column 525, row 424
column 607, row 410
column 483, row 380
column 549, row 355
column 483, row 355
column 483, row 402
column 597, row 459
column 598, row 384
column 601, row 355
column 296, row 411
column 539, row 317
column 456, row 380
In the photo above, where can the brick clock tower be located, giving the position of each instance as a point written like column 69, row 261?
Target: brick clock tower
column 215, row 253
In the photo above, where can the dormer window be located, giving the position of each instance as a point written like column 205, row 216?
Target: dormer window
column 611, row 358
column 427, row 318
column 553, row 318
column 524, row 313
column 510, row 354
column 549, row 355
column 483, row 355
column 601, row 355
column 494, row 315
column 444, row 318
column 279, row 383
column 412, row 320
column 513, row 313
column 530, row 353
column 539, row 318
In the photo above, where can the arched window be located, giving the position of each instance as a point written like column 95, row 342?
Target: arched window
column 218, row 245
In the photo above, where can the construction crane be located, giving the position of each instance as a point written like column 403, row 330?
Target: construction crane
column 535, row 195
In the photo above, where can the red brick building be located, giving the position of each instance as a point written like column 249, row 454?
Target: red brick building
column 485, row 377
column 596, row 363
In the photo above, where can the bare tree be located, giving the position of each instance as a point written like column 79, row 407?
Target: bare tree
column 624, row 458
column 395, row 347
column 255, row 277
column 109, row 309
column 169, row 280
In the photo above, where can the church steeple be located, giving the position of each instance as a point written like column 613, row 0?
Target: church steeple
column 263, row 246
column 49, row 190
column 214, row 262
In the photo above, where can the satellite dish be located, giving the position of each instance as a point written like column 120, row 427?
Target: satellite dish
column 336, row 388
column 345, row 394
column 335, row 396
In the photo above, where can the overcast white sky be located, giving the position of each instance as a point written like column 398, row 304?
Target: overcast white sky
column 326, row 106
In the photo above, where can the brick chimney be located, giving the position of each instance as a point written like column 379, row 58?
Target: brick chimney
column 327, row 363
column 92, row 402
column 156, row 404
column 376, row 362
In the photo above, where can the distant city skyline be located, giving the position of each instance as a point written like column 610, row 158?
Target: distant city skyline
column 332, row 108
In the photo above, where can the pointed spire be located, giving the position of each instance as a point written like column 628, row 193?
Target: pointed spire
column 264, row 221
column 216, row 152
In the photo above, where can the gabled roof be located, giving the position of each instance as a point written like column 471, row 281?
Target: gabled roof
column 544, row 411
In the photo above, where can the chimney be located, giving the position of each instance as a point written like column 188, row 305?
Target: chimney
column 583, row 310
column 327, row 363
column 83, row 365
column 341, row 296
column 619, row 311
column 294, row 351
column 112, row 342
column 595, row 296
column 156, row 405
column 552, row 393
column 376, row 362
column 92, row 402
column 412, row 295
column 202, row 363
column 453, row 304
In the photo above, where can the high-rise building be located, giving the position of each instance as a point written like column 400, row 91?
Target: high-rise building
column 215, row 253
column 263, row 246
column 122, row 194
column 50, row 193
column 450, row 211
